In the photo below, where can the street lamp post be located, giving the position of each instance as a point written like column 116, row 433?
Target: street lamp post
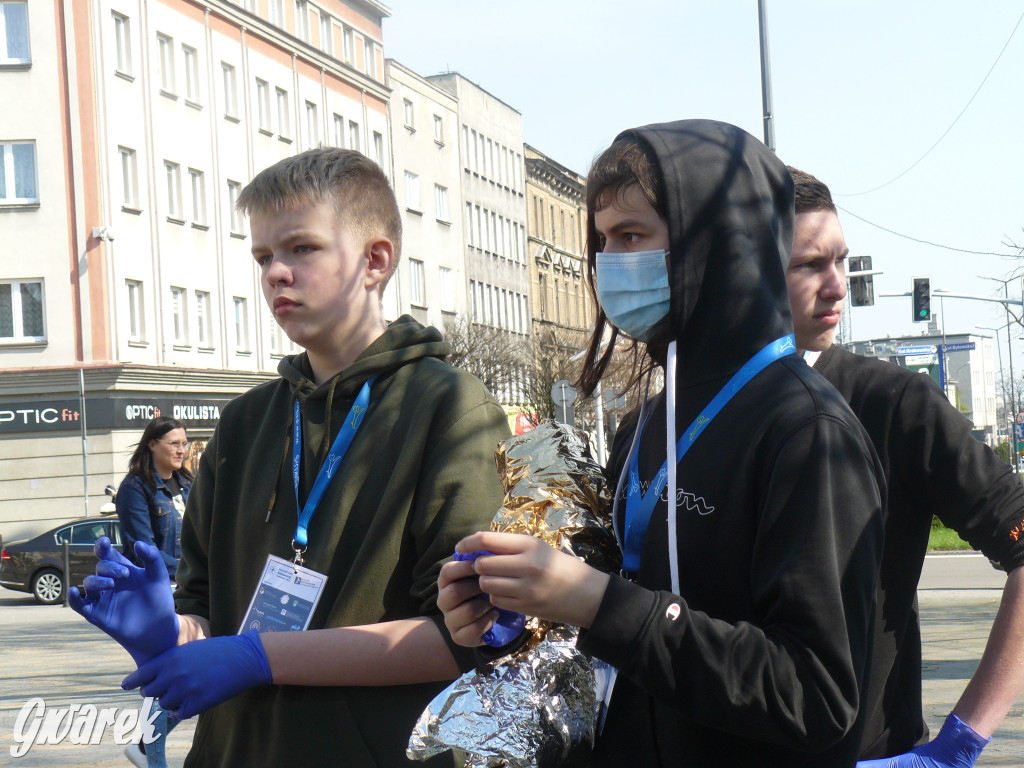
column 598, row 407
column 1011, row 440
column 1009, row 347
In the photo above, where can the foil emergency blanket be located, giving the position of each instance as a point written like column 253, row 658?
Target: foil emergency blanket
column 537, row 707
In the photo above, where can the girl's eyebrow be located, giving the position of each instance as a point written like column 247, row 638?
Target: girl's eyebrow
column 625, row 224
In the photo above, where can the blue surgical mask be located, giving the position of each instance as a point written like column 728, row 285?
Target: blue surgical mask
column 633, row 290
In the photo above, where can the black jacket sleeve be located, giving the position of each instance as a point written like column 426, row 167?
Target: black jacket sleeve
column 936, row 459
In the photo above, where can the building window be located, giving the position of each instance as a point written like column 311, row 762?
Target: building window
column 179, row 311
column 17, row 173
column 123, row 43
column 173, row 173
column 283, row 123
column 417, row 288
column 275, row 11
column 136, row 318
column 441, row 203
column 446, row 282
column 378, row 148
column 21, row 311
column 198, row 197
column 348, row 44
column 263, row 105
column 279, row 343
column 339, row 130
column 412, row 191
column 312, row 126
column 409, row 114
column 302, row 20
column 241, row 324
column 369, row 58
column 14, row 47
column 129, row 179
column 203, row 319
column 326, row 34
column 230, row 92
column 234, row 190
column 353, row 136
column 166, row 45
column 438, row 129
column 191, row 56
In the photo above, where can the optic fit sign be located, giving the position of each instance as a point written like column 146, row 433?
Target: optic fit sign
column 106, row 413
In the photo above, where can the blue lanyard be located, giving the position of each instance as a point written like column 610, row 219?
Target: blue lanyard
column 330, row 466
column 640, row 506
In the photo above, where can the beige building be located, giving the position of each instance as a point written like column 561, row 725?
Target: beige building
column 556, row 207
column 138, row 123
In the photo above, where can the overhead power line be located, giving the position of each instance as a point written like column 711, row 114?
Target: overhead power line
column 933, row 146
column 926, row 242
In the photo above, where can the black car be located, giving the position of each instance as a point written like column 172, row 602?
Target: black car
column 37, row 565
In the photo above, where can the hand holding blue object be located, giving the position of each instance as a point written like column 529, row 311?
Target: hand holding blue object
column 133, row 605
column 509, row 624
column 192, row 678
column 956, row 746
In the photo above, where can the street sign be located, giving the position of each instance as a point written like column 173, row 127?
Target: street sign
column 1018, row 431
column 913, row 360
column 1020, row 417
column 918, row 349
column 962, row 347
column 563, row 393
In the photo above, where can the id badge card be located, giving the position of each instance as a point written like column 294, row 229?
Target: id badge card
column 285, row 597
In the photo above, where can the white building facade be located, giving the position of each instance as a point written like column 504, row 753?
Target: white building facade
column 141, row 122
column 430, row 283
column 494, row 209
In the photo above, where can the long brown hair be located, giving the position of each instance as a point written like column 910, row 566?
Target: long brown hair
column 623, row 165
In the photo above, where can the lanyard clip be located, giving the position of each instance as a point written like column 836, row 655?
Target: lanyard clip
column 299, row 551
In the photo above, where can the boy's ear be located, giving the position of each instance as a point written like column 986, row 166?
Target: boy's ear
column 380, row 256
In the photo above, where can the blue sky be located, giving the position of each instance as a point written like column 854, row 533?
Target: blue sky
column 862, row 89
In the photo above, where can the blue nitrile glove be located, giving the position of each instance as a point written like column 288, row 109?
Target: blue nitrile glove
column 956, row 746
column 192, row 678
column 509, row 624
column 133, row 605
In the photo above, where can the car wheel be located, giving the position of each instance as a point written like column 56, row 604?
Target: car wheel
column 48, row 586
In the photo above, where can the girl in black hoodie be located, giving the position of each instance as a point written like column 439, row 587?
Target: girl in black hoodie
column 741, row 624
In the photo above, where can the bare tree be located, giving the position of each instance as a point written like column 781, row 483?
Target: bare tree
column 499, row 358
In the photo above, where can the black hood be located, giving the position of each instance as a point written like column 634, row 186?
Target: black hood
column 729, row 204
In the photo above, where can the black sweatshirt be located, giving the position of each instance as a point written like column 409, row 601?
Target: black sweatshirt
column 933, row 465
column 762, row 657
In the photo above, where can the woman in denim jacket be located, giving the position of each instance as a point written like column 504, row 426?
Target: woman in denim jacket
column 152, row 495
column 150, row 501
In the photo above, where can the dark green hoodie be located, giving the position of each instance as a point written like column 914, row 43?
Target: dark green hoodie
column 419, row 476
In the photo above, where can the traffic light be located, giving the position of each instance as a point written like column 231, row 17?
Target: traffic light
column 922, row 299
column 862, row 290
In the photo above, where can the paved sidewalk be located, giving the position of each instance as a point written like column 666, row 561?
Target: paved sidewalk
column 51, row 653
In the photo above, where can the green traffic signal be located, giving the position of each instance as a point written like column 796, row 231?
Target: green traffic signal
column 922, row 299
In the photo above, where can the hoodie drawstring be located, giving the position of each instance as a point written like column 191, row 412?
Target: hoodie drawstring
column 670, row 450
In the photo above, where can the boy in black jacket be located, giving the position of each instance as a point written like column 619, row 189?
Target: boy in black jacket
column 741, row 630
column 933, row 465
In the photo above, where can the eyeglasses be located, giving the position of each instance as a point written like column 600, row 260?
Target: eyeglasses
column 183, row 446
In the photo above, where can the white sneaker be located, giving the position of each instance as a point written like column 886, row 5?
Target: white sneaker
column 135, row 755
